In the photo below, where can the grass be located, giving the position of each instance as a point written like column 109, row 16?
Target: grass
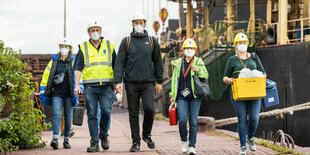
column 280, row 149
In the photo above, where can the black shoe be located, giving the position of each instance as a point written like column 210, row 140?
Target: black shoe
column 94, row 147
column 66, row 144
column 104, row 142
column 149, row 142
column 135, row 147
column 54, row 144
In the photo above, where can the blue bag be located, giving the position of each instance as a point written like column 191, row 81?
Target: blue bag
column 271, row 98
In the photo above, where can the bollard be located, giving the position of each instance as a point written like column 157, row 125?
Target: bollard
column 205, row 123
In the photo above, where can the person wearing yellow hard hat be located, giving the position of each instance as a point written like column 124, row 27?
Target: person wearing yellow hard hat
column 182, row 93
column 139, row 63
column 95, row 63
column 243, row 59
column 56, row 89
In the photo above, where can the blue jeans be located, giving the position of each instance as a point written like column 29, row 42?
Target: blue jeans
column 114, row 99
column 186, row 107
column 103, row 95
column 58, row 104
column 244, row 108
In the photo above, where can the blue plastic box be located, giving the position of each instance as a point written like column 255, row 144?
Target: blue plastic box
column 271, row 98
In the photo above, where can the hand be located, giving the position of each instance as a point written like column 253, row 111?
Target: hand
column 196, row 69
column 77, row 90
column 230, row 81
column 158, row 88
column 118, row 88
column 172, row 100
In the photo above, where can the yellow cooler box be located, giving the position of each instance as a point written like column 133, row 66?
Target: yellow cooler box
column 249, row 88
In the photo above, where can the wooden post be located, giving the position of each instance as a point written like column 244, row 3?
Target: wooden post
column 230, row 19
column 306, row 12
column 302, row 31
column 180, row 13
column 206, row 15
column 189, row 20
column 252, row 19
column 269, row 12
column 282, row 24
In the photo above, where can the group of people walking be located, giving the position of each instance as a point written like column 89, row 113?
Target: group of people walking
column 138, row 64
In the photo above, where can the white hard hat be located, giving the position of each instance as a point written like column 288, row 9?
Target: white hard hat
column 93, row 23
column 65, row 41
column 138, row 15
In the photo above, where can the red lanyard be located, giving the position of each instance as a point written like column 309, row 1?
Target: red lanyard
column 246, row 63
column 189, row 67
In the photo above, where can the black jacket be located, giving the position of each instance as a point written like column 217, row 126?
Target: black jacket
column 140, row 63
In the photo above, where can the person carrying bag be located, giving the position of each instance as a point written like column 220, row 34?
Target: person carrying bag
column 182, row 92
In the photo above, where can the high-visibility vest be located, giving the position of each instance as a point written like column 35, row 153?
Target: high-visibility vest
column 97, row 64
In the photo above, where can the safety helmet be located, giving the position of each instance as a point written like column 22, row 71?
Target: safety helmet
column 240, row 37
column 93, row 23
column 138, row 15
column 65, row 41
column 190, row 43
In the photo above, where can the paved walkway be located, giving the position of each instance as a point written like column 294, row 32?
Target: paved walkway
column 166, row 138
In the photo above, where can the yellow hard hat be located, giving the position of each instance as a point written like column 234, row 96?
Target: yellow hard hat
column 190, row 43
column 240, row 37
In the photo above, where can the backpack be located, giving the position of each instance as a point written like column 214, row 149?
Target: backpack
column 128, row 39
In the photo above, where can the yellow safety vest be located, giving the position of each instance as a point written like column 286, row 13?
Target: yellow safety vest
column 97, row 64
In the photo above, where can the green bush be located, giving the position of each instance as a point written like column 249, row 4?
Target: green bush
column 20, row 122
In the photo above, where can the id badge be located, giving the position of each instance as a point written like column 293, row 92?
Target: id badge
column 186, row 92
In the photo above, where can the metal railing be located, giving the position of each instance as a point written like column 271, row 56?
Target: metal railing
column 218, row 33
column 293, row 33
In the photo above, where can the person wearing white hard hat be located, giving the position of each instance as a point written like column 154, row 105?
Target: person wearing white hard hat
column 95, row 62
column 141, row 55
column 57, row 90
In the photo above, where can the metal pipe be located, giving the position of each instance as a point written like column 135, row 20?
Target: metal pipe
column 65, row 1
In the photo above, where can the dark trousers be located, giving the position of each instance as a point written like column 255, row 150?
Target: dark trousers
column 146, row 92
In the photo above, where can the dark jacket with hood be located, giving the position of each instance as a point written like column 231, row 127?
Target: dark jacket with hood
column 140, row 63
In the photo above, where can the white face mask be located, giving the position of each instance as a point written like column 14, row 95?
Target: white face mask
column 242, row 48
column 189, row 53
column 139, row 28
column 64, row 51
column 95, row 36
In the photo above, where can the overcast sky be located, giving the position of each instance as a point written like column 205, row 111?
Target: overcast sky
column 36, row 26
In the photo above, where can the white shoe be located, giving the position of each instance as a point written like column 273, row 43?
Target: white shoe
column 184, row 147
column 191, row 151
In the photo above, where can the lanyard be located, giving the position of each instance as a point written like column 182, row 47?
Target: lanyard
column 185, row 74
column 246, row 63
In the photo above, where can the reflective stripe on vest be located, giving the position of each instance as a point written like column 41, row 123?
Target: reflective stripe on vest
column 109, row 63
column 97, row 63
column 97, row 80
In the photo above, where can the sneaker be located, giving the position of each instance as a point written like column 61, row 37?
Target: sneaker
column 242, row 150
column 149, row 142
column 72, row 133
column 135, row 147
column 184, row 147
column 104, row 142
column 54, row 144
column 94, row 147
column 66, row 144
column 251, row 143
column 191, row 151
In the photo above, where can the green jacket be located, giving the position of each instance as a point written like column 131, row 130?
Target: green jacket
column 176, row 75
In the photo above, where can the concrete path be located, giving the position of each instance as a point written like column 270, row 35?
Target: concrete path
column 166, row 138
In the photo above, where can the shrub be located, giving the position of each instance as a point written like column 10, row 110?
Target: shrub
column 20, row 122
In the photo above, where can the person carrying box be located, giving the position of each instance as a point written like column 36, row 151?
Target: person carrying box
column 242, row 59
